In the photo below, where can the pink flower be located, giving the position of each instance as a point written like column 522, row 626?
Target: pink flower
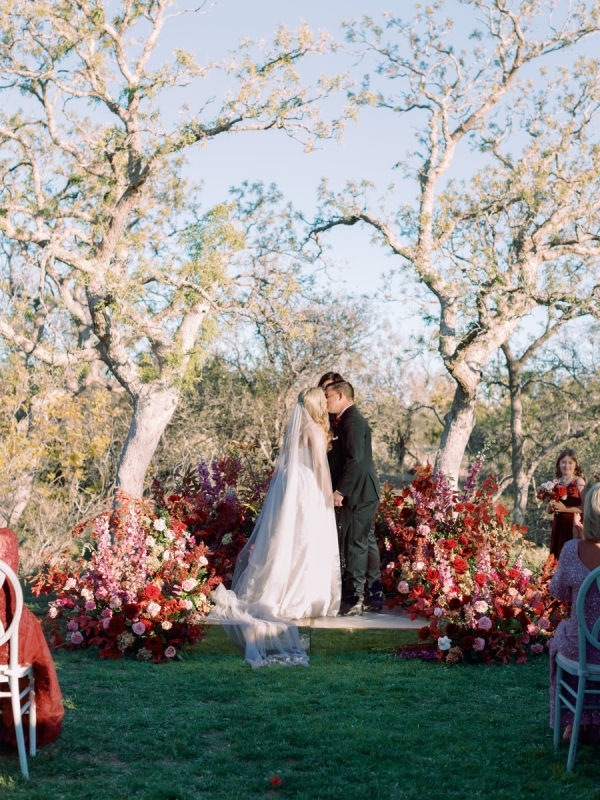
column 536, row 649
column 203, row 561
column 478, row 644
column 52, row 612
column 166, row 625
column 105, row 622
column 90, row 605
column 438, row 611
column 532, row 628
column 72, row 625
column 189, row 584
column 70, row 583
column 106, row 612
column 153, row 609
column 485, row 623
column 188, row 605
column 544, row 623
column 480, row 606
column 170, row 651
column 138, row 628
column 76, row 638
column 423, row 530
column 403, row 587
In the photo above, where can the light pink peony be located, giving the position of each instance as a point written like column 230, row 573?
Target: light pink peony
column 153, row 609
column 138, row 628
column 76, row 638
column 90, row 605
column 403, row 587
column 479, row 644
column 72, row 625
column 52, row 612
column 170, row 651
column 480, row 606
column 189, row 584
column 536, row 649
column 485, row 623
column 203, row 561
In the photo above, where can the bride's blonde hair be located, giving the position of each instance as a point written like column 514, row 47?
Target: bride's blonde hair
column 314, row 402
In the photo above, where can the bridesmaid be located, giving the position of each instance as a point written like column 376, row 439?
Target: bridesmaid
column 566, row 524
column 32, row 650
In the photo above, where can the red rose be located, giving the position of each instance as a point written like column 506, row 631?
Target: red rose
column 417, row 591
column 470, row 507
column 454, row 603
column 500, row 511
column 131, row 610
column 432, row 575
column 468, row 522
column 424, row 633
column 154, row 644
column 480, row 579
column 116, row 625
column 449, row 544
column 467, row 642
column 561, row 491
column 463, row 539
column 460, row 565
column 514, row 574
column 173, row 498
column 452, row 630
column 152, row 592
column 459, row 507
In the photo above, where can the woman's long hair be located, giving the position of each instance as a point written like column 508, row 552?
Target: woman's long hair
column 314, row 402
column 591, row 514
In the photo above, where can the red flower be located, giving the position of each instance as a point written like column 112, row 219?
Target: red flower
column 467, row 642
column 463, row 539
column 561, row 491
column 432, row 575
column 470, row 507
column 417, row 591
column 275, row 781
column 173, row 498
column 449, row 544
column 154, row 644
column 514, row 574
column 460, row 565
column 452, row 630
column 480, row 579
column 152, row 592
column 459, row 507
column 131, row 610
column 116, row 625
column 424, row 633
column 454, row 604
column 500, row 511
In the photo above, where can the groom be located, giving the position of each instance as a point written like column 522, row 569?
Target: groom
column 356, row 498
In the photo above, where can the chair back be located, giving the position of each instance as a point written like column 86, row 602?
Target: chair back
column 587, row 634
column 11, row 633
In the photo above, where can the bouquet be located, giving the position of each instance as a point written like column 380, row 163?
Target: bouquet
column 551, row 490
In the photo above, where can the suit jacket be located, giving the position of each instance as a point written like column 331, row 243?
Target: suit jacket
column 351, row 460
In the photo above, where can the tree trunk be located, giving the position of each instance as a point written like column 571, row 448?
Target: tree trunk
column 10, row 513
column 153, row 408
column 460, row 421
column 519, row 474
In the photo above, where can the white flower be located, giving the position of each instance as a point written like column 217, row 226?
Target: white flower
column 150, row 540
column 159, row 525
column 170, row 535
column 189, row 584
column 418, row 566
column 444, row 643
column 87, row 593
column 153, row 609
column 115, row 601
column 166, row 625
column 438, row 612
column 52, row 612
column 203, row 561
column 166, row 555
column 480, row 606
column 70, row 583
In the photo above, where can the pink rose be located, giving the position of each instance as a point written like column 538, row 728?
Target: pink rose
column 536, row 649
column 76, row 638
column 170, row 651
column 52, row 612
column 106, row 612
column 138, row 628
column 72, row 625
column 532, row 628
column 90, row 605
column 544, row 623
column 189, row 584
column 484, row 623
column 403, row 587
column 478, row 644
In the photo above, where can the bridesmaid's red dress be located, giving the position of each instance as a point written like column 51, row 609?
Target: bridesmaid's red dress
column 33, row 649
column 563, row 524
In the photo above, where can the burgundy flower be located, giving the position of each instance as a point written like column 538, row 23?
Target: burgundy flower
column 116, row 624
column 131, row 610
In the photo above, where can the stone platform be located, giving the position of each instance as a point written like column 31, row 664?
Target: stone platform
column 379, row 633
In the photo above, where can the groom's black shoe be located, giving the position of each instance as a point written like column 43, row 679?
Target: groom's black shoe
column 352, row 609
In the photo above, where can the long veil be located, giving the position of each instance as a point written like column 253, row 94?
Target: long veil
column 254, row 611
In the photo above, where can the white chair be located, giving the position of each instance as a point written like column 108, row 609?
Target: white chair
column 22, row 701
column 586, row 673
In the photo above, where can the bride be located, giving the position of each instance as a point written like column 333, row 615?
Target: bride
column 290, row 567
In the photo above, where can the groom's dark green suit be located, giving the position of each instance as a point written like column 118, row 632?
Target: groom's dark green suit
column 353, row 475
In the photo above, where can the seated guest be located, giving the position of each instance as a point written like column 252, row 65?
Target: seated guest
column 34, row 650
column 577, row 559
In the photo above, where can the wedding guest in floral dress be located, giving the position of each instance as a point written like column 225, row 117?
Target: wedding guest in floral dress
column 578, row 558
column 33, row 649
column 566, row 524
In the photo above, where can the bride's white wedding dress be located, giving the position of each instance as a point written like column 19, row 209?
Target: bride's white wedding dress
column 289, row 568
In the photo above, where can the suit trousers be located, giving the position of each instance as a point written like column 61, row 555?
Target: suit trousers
column 359, row 553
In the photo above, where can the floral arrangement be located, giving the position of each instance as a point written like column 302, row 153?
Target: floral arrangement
column 452, row 558
column 138, row 585
column 551, row 490
column 217, row 507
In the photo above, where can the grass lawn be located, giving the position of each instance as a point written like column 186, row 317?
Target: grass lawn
column 353, row 725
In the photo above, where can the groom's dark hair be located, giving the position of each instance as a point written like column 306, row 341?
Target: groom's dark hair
column 330, row 377
column 344, row 387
